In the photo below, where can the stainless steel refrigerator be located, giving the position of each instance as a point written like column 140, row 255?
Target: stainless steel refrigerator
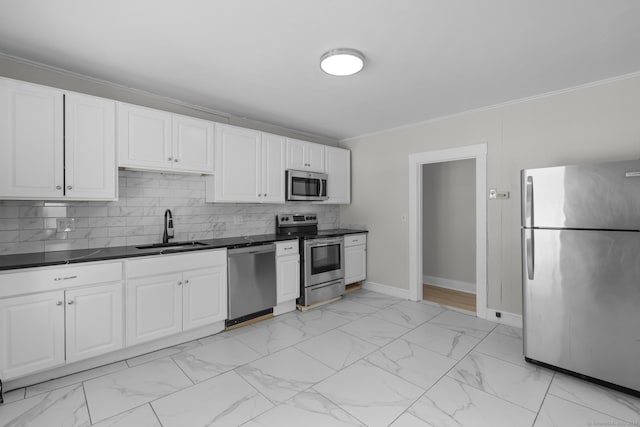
column 581, row 270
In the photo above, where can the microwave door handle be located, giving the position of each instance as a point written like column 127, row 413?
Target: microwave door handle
column 321, row 187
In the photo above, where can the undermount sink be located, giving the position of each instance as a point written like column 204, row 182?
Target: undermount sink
column 172, row 245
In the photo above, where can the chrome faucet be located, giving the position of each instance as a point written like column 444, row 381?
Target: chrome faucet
column 168, row 226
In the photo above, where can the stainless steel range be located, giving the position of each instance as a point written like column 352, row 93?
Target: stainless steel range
column 321, row 258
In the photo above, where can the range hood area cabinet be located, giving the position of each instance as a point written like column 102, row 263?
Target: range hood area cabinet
column 150, row 139
column 338, row 169
column 249, row 167
column 56, row 144
column 305, row 156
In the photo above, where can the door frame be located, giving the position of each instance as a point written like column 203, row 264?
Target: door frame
column 416, row 160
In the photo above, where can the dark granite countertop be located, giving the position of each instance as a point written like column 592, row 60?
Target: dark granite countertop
column 41, row 259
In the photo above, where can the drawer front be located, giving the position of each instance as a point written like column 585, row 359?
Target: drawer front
column 171, row 263
column 59, row 277
column 289, row 247
column 355, row 239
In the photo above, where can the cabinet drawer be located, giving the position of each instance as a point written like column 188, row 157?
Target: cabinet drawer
column 289, row 247
column 355, row 239
column 168, row 263
column 50, row 278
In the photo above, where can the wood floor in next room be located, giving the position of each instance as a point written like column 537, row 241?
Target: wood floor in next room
column 449, row 297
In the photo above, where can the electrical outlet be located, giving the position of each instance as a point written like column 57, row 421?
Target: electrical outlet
column 495, row 194
column 237, row 220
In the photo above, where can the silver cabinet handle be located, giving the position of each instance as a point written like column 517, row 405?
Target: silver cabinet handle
column 58, row 187
column 59, row 303
column 70, row 302
column 69, row 187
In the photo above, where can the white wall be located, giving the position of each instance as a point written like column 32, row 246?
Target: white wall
column 449, row 224
column 596, row 123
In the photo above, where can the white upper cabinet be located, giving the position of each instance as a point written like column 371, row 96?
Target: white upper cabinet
column 303, row 155
column 338, row 163
column 157, row 140
column 34, row 123
column 90, row 148
column 249, row 167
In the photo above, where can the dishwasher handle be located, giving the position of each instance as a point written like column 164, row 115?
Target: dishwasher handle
column 261, row 249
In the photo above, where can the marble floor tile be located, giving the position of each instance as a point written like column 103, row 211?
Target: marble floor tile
column 375, row 330
column 160, row 354
column 444, row 341
column 13, row 395
column 451, row 403
column 523, row 386
column 556, row 412
column 272, row 337
column 118, row 392
column 511, row 331
column 61, row 407
column 372, row 395
column 404, row 316
column 408, row 420
column 209, row 360
column 315, row 322
column 282, row 375
column 75, row 378
column 612, row 402
column 336, row 349
column 463, row 323
column 503, row 346
column 349, row 309
column 225, row 400
column 226, row 334
column 142, row 416
column 415, row 364
column 374, row 299
column 431, row 309
column 307, row 408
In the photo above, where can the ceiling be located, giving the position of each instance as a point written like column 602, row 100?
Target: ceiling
column 260, row 59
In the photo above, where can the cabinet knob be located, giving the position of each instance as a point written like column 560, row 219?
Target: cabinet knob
column 70, row 302
column 186, row 282
column 169, row 158
column 58, row 187
column 59, row 303
column 180, row 283
column 69, row 187
column 175, row 160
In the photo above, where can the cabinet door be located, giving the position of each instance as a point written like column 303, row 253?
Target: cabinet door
column 288, row 277
column 154, row 307
column 237, row 164
column 192, row 144
column 94, row 320
column 355, row 264
column 274, row 152
column 31, row 140
column 31, row 333
column 144, row 138
column 296, row 154
column 204, row 297
column 314, row 154
column 338, row 163
column 90, row 148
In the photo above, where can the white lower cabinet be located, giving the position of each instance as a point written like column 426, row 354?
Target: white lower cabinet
column 168, row 294
column 287, row 276
column 355, row 258
column 80, row 317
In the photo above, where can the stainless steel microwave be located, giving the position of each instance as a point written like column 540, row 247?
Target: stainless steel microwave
column 302, row 185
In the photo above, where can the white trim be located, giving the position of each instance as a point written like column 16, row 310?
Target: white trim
column 499, row 105
column 386, row 289
column 479, row 153
column 456, row 285
column 505, row 318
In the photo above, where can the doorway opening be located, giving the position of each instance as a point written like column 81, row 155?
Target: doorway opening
column 449, row 233
column 417, row 162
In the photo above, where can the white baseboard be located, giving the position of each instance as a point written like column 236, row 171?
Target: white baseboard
column 505, row 318
column 386, row 289
column 456, row 285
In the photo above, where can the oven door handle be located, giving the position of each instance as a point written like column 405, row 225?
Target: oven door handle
column 323, row 242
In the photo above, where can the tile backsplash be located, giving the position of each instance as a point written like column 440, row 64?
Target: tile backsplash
column 138, row 216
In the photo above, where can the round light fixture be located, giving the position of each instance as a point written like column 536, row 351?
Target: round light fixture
column 342, row 62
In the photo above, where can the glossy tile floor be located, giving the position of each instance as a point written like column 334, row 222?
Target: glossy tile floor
column 368, row 359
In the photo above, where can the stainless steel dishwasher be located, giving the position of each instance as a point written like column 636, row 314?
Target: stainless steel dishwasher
column 252, row 282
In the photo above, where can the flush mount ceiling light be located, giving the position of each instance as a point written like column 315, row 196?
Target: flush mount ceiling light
column 342, row 62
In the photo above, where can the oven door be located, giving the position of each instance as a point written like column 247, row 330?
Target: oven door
column 323, row 260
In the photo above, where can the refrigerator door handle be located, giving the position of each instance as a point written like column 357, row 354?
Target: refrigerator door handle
column 530, row 253
column 528, row 213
